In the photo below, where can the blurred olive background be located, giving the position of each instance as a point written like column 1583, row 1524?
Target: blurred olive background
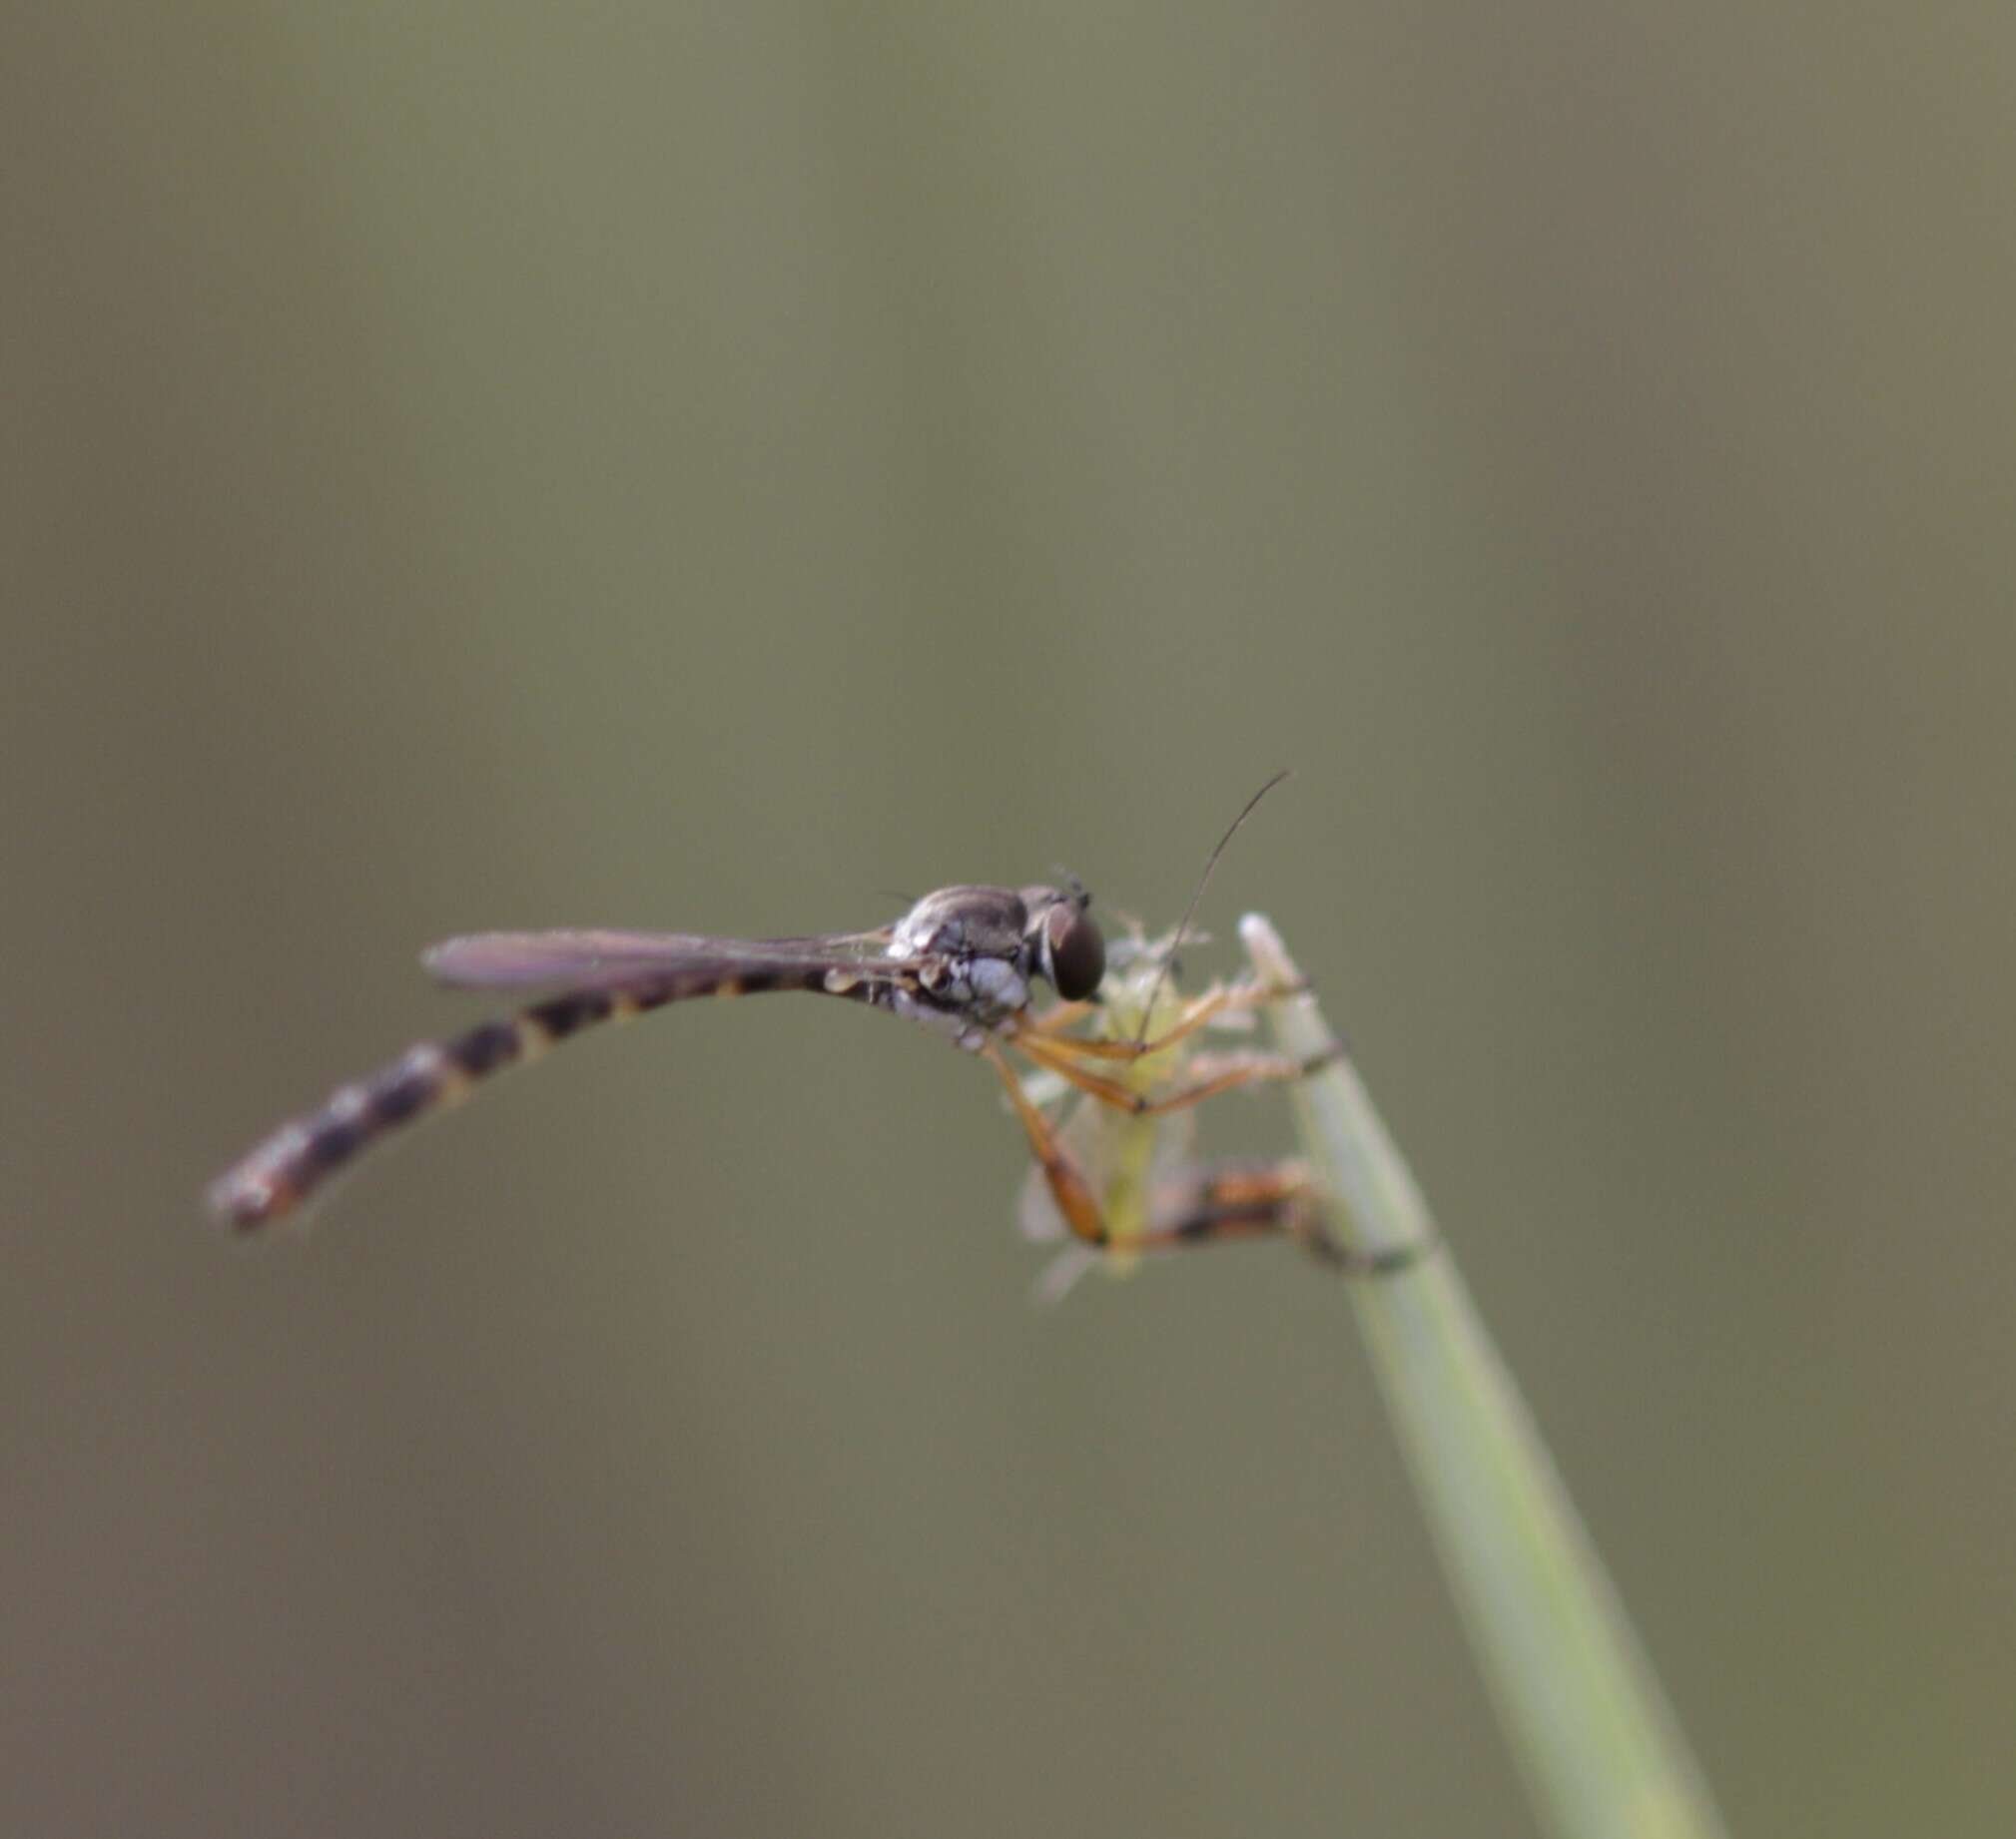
column 726, row 468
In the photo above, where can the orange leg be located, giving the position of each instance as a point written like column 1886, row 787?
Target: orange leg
column 1251, row 1200
column 1227, row 1200
column 1231, row 1071
column 1076, row 1203
column 1224, row 999
column 1054, row 1020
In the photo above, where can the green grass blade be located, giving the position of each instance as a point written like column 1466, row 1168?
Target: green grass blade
column 1588, row 1724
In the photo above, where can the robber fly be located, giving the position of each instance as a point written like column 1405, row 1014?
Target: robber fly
column 963, row 961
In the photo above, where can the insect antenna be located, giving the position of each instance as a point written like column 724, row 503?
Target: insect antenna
column 1190, row 913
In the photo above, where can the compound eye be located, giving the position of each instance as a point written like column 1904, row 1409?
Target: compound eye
column 1077, row 951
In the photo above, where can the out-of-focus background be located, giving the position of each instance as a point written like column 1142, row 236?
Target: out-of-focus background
column 712, row 468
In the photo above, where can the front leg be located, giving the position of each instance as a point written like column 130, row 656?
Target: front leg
column 1224, row 999
column 1054, row 1020
column 1210, row 1075
column 1076, row 1204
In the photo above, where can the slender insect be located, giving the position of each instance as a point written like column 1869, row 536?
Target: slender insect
column 963, row 961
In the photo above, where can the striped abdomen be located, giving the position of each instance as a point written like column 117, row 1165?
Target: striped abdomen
column 283, row 1172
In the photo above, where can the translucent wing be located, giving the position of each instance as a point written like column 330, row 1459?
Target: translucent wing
column 594, row 959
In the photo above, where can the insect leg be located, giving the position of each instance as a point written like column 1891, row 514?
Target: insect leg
column 1224, row 999
column 1076, row 1204
column 1053, row 1021
column 1224, row 1073
column 1251, row 1200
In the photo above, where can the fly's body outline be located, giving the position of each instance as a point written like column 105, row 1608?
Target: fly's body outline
column 960, row 961
column 963, row 961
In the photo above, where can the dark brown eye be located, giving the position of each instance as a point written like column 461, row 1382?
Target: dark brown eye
column 1077, row 953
